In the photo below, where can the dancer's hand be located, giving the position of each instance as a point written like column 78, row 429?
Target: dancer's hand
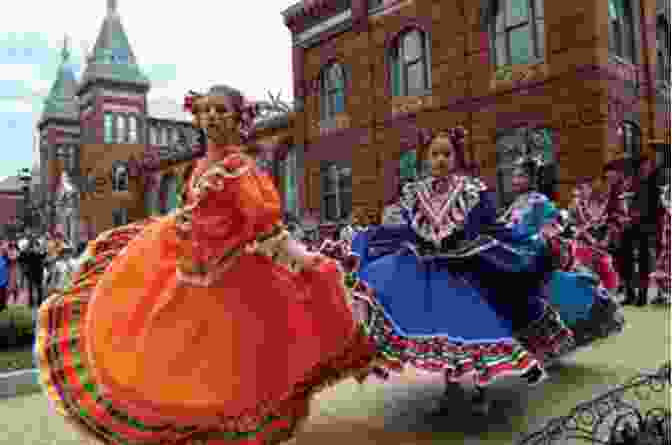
column 313, row 260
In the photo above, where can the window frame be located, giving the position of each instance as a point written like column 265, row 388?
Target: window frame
column 341, row 213
column 619, row 40
column 117, row 168
column 121, row 136
column 133, row 124
column 395, row 60
column 537, row 37
column 290, row 177
column 327, row 91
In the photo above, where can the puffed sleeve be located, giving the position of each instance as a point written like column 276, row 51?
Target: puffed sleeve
column 231, row 204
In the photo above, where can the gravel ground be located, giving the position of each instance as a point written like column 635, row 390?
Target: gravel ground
column 403, row 411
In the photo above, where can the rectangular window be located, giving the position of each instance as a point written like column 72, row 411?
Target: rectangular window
column 121, row 129
column 108, row 128
column 153, row 135
column 622, row 29
column 336, row 191
column 290, row 183
column 517, row 32
column 133, row 129
column 164, row 136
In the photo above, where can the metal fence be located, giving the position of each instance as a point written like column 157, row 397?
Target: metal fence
column 620, row 416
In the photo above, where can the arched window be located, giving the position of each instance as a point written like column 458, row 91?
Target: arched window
column 663, row 49
column 133, row 129
column 119, row 178
column 517, row 32
column 121, row 129
column 410, row 64
column 622, row 29
column 332, row 91
column 108, row 126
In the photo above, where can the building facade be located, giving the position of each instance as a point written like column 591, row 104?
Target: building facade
column 582, row 81
column 103, row 156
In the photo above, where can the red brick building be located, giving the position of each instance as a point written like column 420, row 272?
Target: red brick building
column 589, row 79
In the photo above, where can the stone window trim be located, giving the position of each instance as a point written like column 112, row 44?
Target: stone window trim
column 538, row 38
column 393, row 39
column 632, row 9
column 326, row 114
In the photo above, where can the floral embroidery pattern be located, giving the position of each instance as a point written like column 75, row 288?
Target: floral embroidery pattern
column 438, row 207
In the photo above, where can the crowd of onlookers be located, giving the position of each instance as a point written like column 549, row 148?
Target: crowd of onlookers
column 625, row 212
column 33, row 266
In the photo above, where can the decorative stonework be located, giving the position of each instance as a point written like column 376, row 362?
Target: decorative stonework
column 513, row 75
column 402, row 105
column 116, row 108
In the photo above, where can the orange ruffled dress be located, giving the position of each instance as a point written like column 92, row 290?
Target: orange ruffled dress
column 200, row 329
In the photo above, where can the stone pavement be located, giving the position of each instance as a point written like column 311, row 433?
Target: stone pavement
column 403, row 410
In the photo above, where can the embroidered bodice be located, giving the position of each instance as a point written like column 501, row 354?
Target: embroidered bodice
column 436, row 208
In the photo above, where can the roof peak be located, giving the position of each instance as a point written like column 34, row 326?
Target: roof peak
column 112, row 7
column 65, row 52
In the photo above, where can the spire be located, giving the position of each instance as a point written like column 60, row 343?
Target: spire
column 61, row 102
column 112, row 57
column 65, row 52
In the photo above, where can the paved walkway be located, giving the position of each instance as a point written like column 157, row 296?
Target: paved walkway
column 402, row 411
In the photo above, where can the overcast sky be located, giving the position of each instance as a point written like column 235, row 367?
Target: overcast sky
column 179, row 45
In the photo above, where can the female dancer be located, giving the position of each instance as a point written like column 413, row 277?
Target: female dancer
column 205, row 326
column 575, row 290
column 448, row 291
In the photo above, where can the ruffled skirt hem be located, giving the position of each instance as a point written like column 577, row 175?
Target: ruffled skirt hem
column 74, row 393
column 484, row 362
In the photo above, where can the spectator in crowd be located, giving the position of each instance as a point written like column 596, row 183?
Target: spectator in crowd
column 33, row 262
column 644, row 210
column 4, row 274
column 13, row 284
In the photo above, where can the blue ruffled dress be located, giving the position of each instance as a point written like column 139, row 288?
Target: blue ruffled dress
column 450, row 290
column 583, row 303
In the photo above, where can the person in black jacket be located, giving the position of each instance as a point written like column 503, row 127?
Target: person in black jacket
column 644, row 210
column 32, row 260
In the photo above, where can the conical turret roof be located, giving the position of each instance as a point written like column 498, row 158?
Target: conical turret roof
column 112, row 57
column 61, row 103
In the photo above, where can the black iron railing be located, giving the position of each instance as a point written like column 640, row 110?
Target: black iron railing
column 617, row 417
